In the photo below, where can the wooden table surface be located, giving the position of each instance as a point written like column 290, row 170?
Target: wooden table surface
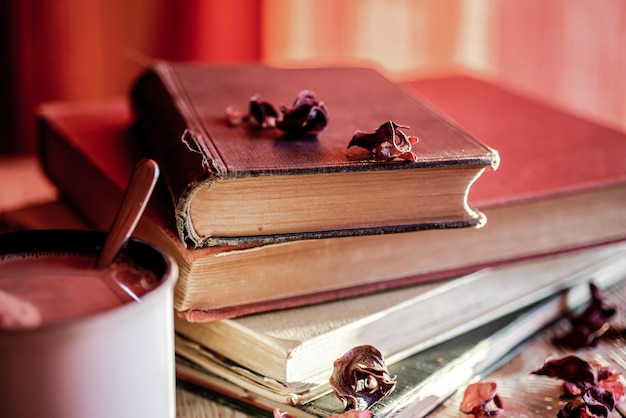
column 22, row 184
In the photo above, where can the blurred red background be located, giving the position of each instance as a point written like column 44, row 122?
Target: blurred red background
column 569, row 52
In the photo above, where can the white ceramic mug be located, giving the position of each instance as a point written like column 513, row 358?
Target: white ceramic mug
column 115, row 363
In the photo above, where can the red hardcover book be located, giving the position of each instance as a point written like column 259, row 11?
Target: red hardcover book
column 561, row 185
column 299, row 177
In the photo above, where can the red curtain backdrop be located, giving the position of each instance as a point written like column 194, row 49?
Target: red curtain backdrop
column 87, row 50
column 569, row 52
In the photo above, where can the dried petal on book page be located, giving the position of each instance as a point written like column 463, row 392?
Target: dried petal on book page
column 360, row 378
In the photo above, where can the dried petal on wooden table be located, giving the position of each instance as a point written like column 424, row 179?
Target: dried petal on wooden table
column 591, row 324
column 576, row 373
column 360, row 378
column 481, row 400
column 609, row 379
column 599, row 386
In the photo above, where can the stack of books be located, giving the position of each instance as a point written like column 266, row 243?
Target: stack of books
column 292, row 250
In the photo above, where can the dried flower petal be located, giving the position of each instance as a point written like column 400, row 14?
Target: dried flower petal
column 599, row 401
column 262, row 114
column 360, row 378
column 387, row 143
column 591, row 324
column 307, row 116
column 576, row 373
column 580, row 411
column 235, row 116
column 609, row 379
column 598, row 386
column 481, row 400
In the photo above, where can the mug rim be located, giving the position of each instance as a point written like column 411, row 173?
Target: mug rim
column 89, row 242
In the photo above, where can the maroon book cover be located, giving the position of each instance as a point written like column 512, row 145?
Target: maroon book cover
column 320, row 182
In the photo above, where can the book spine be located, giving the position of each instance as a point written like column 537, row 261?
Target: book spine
column 195, row 136
column 184, row 165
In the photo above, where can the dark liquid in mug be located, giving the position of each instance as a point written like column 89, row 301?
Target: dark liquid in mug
column 43, row 289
